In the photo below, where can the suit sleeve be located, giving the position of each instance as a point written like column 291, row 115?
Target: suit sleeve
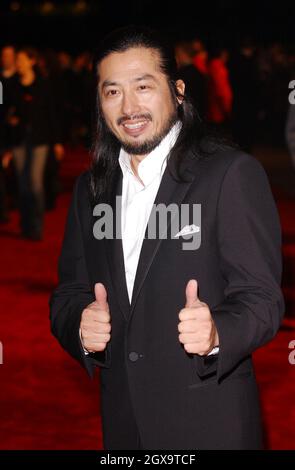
column 249, row 243
column 73, row 294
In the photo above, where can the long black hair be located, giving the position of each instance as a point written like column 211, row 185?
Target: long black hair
column 106, row 147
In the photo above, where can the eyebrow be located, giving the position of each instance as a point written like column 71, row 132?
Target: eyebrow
column 146, row 76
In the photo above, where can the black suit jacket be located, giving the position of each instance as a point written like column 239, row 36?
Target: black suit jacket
column 180, row 400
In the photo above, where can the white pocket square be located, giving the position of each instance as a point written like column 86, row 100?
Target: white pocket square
column 187, row 230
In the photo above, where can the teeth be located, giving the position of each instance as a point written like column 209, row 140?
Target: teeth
column 134, row 126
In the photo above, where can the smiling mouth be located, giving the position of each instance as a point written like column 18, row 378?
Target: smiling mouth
column 134, row 128
column 136, row 125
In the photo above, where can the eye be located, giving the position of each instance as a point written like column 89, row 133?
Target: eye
column 143, row 87
column 112, row 92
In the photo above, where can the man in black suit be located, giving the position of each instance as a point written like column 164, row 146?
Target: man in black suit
column 171, row 319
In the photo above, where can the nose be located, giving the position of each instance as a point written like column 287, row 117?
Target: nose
column 130, row 104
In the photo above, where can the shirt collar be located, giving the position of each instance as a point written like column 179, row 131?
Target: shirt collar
column 154, row 163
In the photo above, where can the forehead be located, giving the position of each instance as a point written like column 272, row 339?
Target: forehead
column 137, row 60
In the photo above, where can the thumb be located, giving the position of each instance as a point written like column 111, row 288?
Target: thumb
column 191, row 293
column 101, row 296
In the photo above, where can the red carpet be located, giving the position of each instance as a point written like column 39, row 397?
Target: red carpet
column 46, row 400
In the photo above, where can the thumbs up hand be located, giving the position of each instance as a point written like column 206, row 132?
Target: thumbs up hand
column 198, row 332
column 95, row 326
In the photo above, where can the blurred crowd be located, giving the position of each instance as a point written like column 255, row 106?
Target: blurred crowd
column 245, row 90
column 49, row 102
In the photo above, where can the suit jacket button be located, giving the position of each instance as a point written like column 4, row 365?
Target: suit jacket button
column 133, row 356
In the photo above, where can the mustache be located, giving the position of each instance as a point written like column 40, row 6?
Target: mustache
column 131, row 117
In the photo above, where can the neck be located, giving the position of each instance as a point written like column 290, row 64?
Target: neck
column 7, row 73
column 186, row 62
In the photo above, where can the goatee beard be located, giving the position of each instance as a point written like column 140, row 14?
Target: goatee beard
column 143, row 148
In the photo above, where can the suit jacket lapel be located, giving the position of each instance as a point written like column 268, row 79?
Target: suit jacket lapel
column 115, row 253
column 170, row 191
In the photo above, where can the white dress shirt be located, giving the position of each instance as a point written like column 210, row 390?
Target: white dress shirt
column 138, row 198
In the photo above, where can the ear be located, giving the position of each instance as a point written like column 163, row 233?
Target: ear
column 180, row 85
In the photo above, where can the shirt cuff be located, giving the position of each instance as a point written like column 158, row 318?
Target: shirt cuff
column 85, row 350
column 214, row 351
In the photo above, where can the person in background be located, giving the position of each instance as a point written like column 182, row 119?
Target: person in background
column 50, row 69
column 8, row 78
column 8, row 72
column 244, row 78
column 200, row 58
column 34, row 126
column 220, row 95
column 195, row 81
